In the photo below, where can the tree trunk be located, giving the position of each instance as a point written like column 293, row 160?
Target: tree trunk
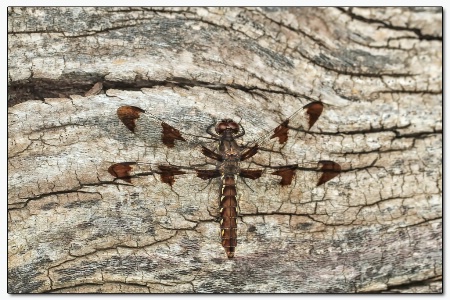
column 377, row 227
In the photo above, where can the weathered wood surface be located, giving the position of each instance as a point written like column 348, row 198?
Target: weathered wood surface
column 377, row 227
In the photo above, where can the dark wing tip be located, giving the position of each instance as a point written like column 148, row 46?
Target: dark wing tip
column 330, row 170
column 121, row 171
column 128, row 115
column 314, row 110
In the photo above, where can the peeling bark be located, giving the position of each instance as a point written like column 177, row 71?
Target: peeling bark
column 375, row 228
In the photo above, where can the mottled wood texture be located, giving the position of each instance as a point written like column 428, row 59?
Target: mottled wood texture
column 375, row 228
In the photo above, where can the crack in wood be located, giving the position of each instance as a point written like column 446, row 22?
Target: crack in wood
column 416, row 31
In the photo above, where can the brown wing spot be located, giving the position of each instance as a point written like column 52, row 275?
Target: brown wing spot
column 208, row 174
column 168, row 174
column 211, row 154
column 122, row 171
column 330, row 170
column 170, row 134
column 251, row 174
column 250, row 152
column 287, row 173
column 314, row 110
column 281, row 132
column 128, row 115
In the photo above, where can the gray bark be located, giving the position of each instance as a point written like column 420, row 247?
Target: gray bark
column 375, row 228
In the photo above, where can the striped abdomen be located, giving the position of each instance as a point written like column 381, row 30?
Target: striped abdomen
column 228, row 214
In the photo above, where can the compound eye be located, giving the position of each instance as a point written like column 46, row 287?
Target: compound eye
column 233, row 126
column 220, row 128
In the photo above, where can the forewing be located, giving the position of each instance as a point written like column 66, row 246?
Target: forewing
column 149, row 127
column 164, row 140
column 300, row 121
column 292, row 143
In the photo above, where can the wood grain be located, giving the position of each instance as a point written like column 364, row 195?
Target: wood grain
column 375, row 228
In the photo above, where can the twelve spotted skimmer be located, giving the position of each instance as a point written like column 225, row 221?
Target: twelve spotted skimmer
column 226, row 159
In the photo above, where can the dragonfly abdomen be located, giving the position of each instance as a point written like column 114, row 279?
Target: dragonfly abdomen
column 228, row 214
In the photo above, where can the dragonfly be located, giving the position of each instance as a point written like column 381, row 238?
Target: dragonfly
column 228, row 159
